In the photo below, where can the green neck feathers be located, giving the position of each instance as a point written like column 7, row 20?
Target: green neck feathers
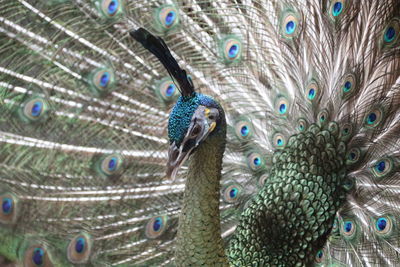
column 199, row 241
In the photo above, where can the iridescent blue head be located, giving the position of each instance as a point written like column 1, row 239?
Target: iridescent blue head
column 192, row 120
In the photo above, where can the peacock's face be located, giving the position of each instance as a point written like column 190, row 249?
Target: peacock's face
column 190, row 123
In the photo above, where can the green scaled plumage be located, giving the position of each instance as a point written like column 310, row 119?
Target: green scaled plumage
column 310, row 91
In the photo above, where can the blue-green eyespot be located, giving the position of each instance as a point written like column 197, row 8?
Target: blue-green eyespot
column 231, row 49
column 79, row 248
column 290, row 24
column 166, row 18
column 110, row 9
column 156, row 226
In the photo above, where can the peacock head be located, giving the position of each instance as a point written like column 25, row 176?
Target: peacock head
column 194, row 118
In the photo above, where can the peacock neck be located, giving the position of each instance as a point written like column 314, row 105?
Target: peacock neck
column 199, row 239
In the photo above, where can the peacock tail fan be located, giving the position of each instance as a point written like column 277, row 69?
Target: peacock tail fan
column 85, row 108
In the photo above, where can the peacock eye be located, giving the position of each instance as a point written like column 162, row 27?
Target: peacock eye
column 167, row 90
column 382, row 167
column 337, row 8
column 35, row 109
column 156, row 226
column 335, row 226
column 346, row 132
column 8, row 210
column 103, row 78
column 168, row 17
column 232, row 193
column 348, row 86
column 353, row 156
column 391, row 32
column 7, row 205
column 290, row 25
column 302, row 124
column 282, row 106
column 278, row 140
column 37, row 256
column 312, row 91
column 323, row 117
column 231, row 49
column 79, row 249
column 243, row 129
column 348, row 229
column 373, row 118
column 320, row 256
column 254, row 161
column 383, row 225
column 110, row 165
column 110, row 8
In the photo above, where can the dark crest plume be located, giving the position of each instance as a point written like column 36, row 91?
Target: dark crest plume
column 158, row 47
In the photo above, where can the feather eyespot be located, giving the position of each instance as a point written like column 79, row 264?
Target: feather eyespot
column 111, row 164
column 320, row 256
column 79, row 249
column 102, row 80
column 35, row 109
column 290, row 25
column 254, row 161
column 349, row 85
column 156, row 226
column 302, row 125
column 353, row 156
column 278, row 140
column 348, row 184
column 231, row 49
column 7, row 205
column 108, row 166
column 337, row 8
column 167, row 90
column 382, row 167
column 373, row 118
column 232, row 193
column 383, row 225
column 9, row 208
column 312, row 91
column 391, row 32
column 323, row 117
column 243, row 129
column 167, row 17
column 111, row 8
column 348, row 229
column 335, row 225
column 282, row 106
column 346, row 132
column 37, row 256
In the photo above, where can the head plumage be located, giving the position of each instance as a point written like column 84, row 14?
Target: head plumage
column 157, row 47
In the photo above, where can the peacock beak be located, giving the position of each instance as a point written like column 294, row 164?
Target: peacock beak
column 202, row 124
column 176, row 157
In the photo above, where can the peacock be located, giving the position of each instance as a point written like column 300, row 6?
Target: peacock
column 199, row 133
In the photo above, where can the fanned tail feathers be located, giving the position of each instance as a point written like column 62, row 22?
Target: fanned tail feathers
column 84, row 110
